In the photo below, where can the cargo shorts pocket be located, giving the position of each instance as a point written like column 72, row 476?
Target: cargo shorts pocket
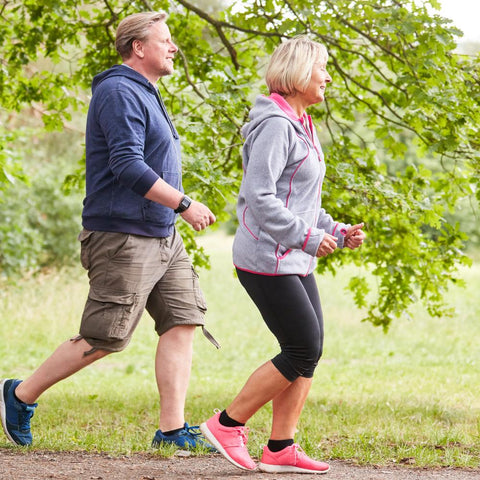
column 199, row 297
column 108, row 315
column 84, row 238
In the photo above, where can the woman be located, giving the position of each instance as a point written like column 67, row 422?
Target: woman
column 282, row 228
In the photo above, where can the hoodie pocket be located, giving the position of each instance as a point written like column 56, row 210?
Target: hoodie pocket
column 281, row 252
column 248, row 223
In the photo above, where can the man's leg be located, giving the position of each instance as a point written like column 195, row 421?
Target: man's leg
column 67, row 359
column 17, row 398
column 173, row 364
column 174, row 305
column 177, row 306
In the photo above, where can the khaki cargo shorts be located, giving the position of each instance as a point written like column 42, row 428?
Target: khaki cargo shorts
column 130, row 273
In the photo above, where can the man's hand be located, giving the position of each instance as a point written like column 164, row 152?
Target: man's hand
column 198, row 216
column 354, row 236
column 328, row 245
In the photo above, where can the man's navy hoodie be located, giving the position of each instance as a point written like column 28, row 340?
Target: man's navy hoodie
column 130, row 143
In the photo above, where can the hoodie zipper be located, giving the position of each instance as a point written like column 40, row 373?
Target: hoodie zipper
column 309, row 131
column 165, row 113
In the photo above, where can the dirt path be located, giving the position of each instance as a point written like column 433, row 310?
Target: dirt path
column 20, row 465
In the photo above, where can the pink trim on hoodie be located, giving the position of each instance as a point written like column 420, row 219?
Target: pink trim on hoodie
column 290, row 186
column 245, row 224
column 306, row 120
column 307, row 125
column 285, row 106
column 268, row 274
column 307, row 238
column 343, row 231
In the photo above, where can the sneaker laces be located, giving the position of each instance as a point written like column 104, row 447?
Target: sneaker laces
column 242, row 434
column 242, row 431
column 193, row 430
column 299, row 452
column 25, row 416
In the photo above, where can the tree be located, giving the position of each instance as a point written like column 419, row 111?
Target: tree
column 396, row 79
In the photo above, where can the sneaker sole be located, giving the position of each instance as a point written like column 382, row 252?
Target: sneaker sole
column 3, row 413
column 268, row 468
column 211, row 438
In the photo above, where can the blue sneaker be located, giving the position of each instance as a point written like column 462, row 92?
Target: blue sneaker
column 15, row 415
column 188, row 438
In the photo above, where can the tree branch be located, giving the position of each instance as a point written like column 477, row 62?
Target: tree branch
column 148, row 5
column 373, row 41
column 110, row 9
column 218, row 27
column 230, row 26
column 199, row 93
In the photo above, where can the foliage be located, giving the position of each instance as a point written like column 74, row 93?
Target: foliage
column 39, row 223
column 10, row 166
column 398, row 85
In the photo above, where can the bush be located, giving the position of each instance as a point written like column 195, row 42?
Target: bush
column 39, row 223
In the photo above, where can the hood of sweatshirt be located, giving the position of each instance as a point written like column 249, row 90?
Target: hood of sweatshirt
column 121, row 71
column 274, row 106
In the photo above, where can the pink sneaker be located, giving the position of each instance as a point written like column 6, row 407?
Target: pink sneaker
column 291, row 459
column 229, row 441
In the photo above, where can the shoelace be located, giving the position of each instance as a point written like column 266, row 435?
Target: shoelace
column 24, row 420
column 193, row 430
column 243, row 435
column 298, row 451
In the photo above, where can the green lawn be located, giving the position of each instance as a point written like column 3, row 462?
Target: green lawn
column 409, row 396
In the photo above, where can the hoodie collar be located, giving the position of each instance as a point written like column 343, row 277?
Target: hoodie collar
column 285, row 106
column 305, row 120
column 122, row 70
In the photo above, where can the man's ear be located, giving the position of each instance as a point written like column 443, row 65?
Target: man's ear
column 137, row 48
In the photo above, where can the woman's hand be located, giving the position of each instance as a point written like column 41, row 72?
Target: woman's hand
column 354, row 236
column 328, row 245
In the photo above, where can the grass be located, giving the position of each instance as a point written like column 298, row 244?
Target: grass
column 407, row 397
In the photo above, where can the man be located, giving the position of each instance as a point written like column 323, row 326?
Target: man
column 134, row 257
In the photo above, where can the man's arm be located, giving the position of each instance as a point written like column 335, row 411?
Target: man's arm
column 197, row 214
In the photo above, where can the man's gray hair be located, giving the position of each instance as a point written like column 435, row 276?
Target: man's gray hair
column 135, row 27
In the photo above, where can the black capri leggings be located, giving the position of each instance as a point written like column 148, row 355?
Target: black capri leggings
column 290, row 306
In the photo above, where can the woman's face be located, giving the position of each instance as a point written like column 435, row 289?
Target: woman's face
column 315, row 91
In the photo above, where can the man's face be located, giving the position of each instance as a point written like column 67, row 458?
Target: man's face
column 159, row 50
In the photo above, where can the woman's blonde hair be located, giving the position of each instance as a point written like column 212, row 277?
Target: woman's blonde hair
column 135, row 27
column 290, row 68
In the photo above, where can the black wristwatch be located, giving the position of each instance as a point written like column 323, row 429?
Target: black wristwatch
column 184, row 204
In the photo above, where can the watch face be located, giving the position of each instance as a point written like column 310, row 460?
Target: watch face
column 184, row 204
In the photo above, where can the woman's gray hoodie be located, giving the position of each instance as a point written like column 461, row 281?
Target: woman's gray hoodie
column 281, row 221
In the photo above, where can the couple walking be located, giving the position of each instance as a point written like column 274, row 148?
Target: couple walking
column 136, row 259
